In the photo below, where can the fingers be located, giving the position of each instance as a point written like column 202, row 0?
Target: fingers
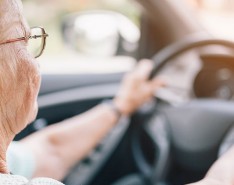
column 158, row 83
column 153, row 86
column 143, row 69
column 136, row 88
column 139, row 78
column 140, row 74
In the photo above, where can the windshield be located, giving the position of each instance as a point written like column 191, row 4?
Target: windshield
column 102, row 45
column 96, row 44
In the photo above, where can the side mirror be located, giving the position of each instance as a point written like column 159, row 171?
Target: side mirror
column 100, row 33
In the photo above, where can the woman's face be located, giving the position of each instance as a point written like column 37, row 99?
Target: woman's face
column 19, row 71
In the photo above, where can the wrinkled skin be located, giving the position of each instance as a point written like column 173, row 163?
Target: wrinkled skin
column 19, row 76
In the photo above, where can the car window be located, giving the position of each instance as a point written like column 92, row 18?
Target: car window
column 85, row 46
column 107, row 52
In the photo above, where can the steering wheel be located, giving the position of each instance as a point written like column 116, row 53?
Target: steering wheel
column 193, row 130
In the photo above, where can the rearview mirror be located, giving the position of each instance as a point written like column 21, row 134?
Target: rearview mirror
column 100, row 33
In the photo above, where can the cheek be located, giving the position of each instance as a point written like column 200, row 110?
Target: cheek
column 29, row 99
column 35, row 86
column 33, row 113
column 29, row 71
column 31, row 78
column 19, row 88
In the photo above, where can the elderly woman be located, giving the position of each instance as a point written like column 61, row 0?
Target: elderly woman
column 19, row 85
column 50, row 149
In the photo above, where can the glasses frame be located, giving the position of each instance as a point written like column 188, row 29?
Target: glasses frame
column 43, row 36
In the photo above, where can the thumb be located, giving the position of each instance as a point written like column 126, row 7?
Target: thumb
column 158, row 83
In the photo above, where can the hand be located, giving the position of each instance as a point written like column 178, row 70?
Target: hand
column 136, row 89
column 221, row 172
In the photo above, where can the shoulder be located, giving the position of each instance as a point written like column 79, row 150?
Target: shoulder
column 20, row 180
column 12, row 179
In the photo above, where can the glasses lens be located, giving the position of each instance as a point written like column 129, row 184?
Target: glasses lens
column 35, row 44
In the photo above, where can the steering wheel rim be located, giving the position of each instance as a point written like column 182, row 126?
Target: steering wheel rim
column 189, row 42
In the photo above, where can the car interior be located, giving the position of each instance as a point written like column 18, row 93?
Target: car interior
column 173, row 139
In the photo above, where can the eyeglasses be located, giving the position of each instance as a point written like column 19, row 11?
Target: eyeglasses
column 36, row 42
